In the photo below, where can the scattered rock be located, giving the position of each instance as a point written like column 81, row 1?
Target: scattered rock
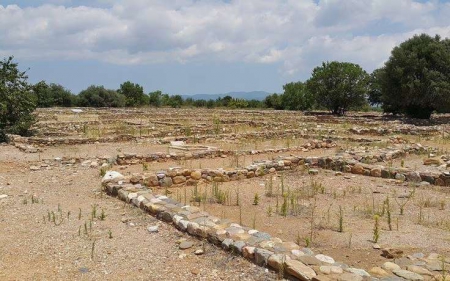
column 153, row 229
column 186, row 245
column 3, row 196
column 199, row 252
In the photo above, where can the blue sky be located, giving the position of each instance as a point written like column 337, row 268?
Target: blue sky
column 206, row 46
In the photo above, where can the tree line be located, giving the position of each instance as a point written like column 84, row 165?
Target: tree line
column 414, row 81
column 128, row 95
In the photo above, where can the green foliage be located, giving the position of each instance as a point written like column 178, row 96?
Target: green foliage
column 296, row 97
column 339, row 86
column 155, row 98
column 98, row 96
column 375, row 92
column 273, row 101
column 53, row 95
column 134, row 94
column 416, row 78
column 17, row 101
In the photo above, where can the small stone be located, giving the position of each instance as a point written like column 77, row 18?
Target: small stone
column 3, row 196
column 195, row 271
column 325, row 259
column 199, row 252
column 329, row 269
column 186, row 245
column 376, row 246
column 378, row 272
column 390, row 266
column 408, row 275
column 357, row 271
column 153, row 229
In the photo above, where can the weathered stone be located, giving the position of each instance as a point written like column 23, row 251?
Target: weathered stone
column 276, row 261
column 413, row 176
column 400, row 177
column 378, row 272
column 358, row 271
column 179, row 179
column 186, row 245
column 299, row 270
column 329, row 269
column 390, row 266
column 358, row 169
column 248, row 252
column 408, row 275
column 309, row 260
column 419, row 270
column 375, row 172
column 166, row 182
column 196, row 175
column 262, row 256
column 325, row 259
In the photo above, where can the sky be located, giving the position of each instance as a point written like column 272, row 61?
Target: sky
column 206, row 46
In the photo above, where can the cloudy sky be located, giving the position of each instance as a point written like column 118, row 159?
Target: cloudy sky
column 206, row 46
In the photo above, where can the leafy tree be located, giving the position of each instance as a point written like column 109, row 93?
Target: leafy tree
column 52, row 95
column 375, row 91
column 416, row 78
column 273, row 101
column 155, row 98
column 339, row 86
column 134, row 94
column 175, row 101
column 17, row 102
column 296, row 97
column 98, row 96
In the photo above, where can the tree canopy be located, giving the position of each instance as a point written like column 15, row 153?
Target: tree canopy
column 339, row 86
column 98, row 96
column 17, row 101
column 134, row 94
column 52, row 95
column 416, row 78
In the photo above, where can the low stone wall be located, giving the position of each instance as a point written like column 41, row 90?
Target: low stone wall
column 15, row 139
column 259, row 247
column 133, row 158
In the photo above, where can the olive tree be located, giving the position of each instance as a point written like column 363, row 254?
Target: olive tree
column 17, row 101
column 339, row 86
column 416, row 78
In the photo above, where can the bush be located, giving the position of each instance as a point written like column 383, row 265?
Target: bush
column 17, row 101
column 98, row 96
column 416, row 78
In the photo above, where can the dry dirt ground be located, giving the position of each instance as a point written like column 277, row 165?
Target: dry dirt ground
column 116, row 248
column 47, row 231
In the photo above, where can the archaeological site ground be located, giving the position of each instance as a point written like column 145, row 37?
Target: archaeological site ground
column 198, row 194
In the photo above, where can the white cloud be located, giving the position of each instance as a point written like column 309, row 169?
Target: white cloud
column 297, row 34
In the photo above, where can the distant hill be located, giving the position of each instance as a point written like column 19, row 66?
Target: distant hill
column 255, row 95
